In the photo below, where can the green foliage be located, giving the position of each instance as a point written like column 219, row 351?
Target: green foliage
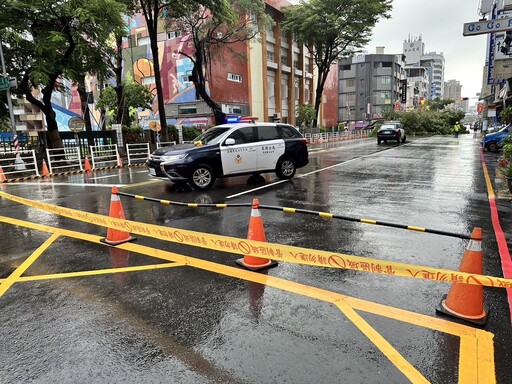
column 507, row 171
column 133, row 135
column 506, row 115
column 305, row 114
column 507, row 151
column 331, row 29
column 190, row 133
column 438, row 104
column 135, row 96
column 389, row 113
column 428, row 122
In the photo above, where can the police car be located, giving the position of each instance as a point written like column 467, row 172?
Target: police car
column 232, row 150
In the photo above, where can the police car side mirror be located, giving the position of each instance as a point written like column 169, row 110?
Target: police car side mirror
column 230, row 141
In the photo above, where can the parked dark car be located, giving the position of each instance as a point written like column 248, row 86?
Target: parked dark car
column 232, row 150
column 391, row 131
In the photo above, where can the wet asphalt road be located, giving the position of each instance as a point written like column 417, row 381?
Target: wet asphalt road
column 191, row 325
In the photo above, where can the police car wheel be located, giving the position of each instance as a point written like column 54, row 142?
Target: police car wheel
column 202, row 177
column 285, row 168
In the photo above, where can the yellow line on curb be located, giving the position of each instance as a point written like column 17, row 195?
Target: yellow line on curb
column 473, row 341
column 14, row 276
column 490, row 190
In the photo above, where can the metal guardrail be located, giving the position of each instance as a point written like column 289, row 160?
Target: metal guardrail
column 104, row 155
column 15, row 165
column 137, row 153
column 64, row 159
column 303, row 211
column 327, row 137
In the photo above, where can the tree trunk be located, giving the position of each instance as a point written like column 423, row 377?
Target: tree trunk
column 322, row 76
column 199, row 81
column 159, row 90
column 85, row 109
column 119, row 88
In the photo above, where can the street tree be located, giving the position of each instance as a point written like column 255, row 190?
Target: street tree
column 439, row 104
column 134, row 96
column 48, row 42
column 305, row 115
column 153, row 11
column 331, row 29
column 214, row 33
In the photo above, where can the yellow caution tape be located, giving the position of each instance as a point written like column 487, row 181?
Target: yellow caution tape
column 266, row 250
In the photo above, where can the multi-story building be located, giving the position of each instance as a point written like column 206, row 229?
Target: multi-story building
column 453, row 90
column 434, row 62
column 269, row 83
column 368, row 84
column 418, row 86
column 413, row 49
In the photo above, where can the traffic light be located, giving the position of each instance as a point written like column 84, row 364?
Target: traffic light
column 505, row 47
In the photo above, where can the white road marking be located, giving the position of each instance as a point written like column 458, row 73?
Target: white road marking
column 48, row 183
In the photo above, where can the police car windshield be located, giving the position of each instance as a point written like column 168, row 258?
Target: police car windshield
column 212, row 135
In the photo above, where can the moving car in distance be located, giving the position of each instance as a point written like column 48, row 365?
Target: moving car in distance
column 491, row 141
column 391, row 130
column 232, row 150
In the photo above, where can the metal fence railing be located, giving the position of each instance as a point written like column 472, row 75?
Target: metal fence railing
column 137, row 153
column 16, row 165
column 64, row 159
column 104, row 156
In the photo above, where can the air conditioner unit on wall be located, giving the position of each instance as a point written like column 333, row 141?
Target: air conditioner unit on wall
column 277, row 115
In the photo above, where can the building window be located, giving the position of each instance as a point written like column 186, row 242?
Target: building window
column 270, row 56
column 387, row 64
column 187, row 110
column 235, row 77
column 346, row 67
column 284, row 60
column 173, row 35
column 148, row 80
column 187, row 77
column 143, row 41
column 385, row 95
column 385, row 80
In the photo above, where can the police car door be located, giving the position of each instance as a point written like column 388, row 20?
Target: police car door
column 242, row 156
column 271, row 147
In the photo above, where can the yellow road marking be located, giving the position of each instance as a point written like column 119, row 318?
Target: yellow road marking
column 476, row 345
column 14, row 276
column 274, row 251
column 381, row 343
column 140, row 184
column 99, row 272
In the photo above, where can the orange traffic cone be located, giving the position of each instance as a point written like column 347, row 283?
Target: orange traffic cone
column 115, row 236
column 87, row 165
column 44, row 169
column 2, row 176
column 257, row 233
column 466, row 301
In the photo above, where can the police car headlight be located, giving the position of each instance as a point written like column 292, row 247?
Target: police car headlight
column 173, row 157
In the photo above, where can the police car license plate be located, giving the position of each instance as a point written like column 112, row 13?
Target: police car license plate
column 152, row 171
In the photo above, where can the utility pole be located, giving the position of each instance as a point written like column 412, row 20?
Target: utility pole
column 9, row 101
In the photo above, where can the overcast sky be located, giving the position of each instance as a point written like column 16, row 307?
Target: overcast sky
column 440, row 23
